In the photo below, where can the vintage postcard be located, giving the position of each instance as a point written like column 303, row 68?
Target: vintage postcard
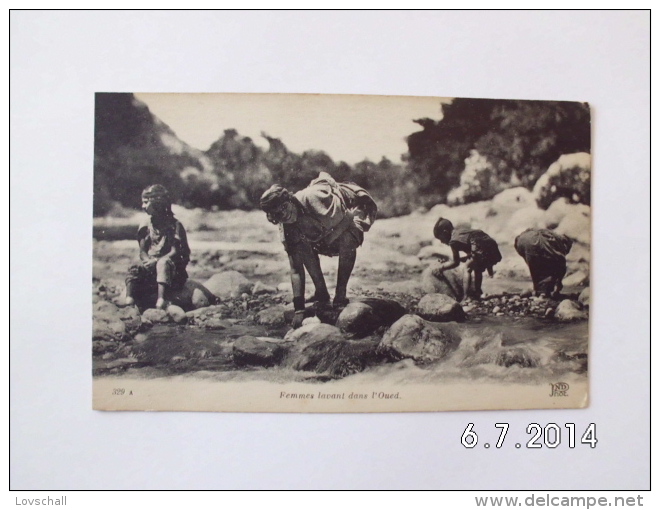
column 339, row 253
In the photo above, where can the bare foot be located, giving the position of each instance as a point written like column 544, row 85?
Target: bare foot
column 161, row 304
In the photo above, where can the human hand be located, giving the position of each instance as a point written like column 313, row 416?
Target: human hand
column 149, row 263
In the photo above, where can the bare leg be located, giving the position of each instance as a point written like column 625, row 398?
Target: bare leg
column 312, row 263
column 160, row 302
column 478, row 278
column 347, row 255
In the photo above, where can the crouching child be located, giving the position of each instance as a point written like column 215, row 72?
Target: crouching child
column 545, row 253
column 164, row 253
column 481, row 250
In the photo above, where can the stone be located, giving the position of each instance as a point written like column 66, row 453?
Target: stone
column 284, row 287
column 273, row 316
column 176, row 314
column 155, row 315
column 584, row 297
column 192, row 295
column 363, row 316
column 576, row 225
column 311, row 320
column 440, row 308
column 253, row 351
column 107, row 323
column 575, row 279
column 423, row 341
column 496, row 309
column 323, row 349
column 228, row 284
column 522, row 357
column 569, row 310
column 450, row 283
column 260, row 289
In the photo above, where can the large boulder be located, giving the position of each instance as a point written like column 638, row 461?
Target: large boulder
column 561, row 208
column 364, row 316
column 323, row 349
column 569, row 310
column 520, row 220
column 254, row 351
column 440, row 308
column 228, row 284
column 423, row 341
column 450, row 283
column 576, row 225
column 192, row 295
column 569, row 177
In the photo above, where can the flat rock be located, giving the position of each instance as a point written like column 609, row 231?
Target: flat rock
column 441, row 308
column 253, row 351
column 569, row 310
column 364, row 316
column 450, row 283
column 423, row 341
column 228, row 284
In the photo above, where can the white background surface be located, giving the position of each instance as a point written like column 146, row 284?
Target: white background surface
column 58, row 61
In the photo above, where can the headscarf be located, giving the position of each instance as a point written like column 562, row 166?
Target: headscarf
column 443, row 229
column 274, row 197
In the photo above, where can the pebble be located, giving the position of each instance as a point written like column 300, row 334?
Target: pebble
column 496, row 309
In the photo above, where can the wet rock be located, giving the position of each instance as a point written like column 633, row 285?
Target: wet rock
column 192, row 295
column 261, row 289
column 176, row 314
column 162, row 343
column 273, row 316
column 577, row 278
column 228, row 284
column 324, row 350
column 253, row 351
column 585, row 297
column 450, row 283
column 155, row 315
column 363, row 316
column 522, row 357
column 301, row 335
column 569, row 310
column 423, row 341
column 440, row 308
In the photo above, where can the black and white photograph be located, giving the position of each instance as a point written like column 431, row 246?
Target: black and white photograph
column 340, row 253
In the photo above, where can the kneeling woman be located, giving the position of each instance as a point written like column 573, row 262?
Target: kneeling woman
column 326, row 218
